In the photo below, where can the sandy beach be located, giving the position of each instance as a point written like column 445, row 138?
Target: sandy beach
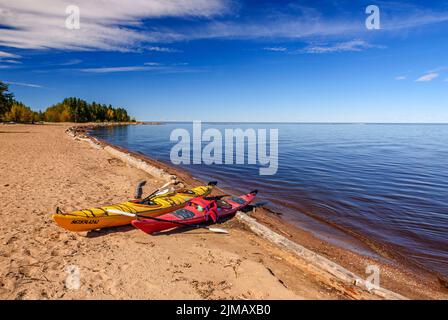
column 42, row 167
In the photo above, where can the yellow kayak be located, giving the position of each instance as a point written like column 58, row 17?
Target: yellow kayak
column 98, row 218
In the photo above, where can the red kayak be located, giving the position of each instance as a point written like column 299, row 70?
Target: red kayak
column 197, row 210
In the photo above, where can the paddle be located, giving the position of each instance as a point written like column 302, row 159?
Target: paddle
column 157, row 190
column 139, row 189
column 216, row 197
column 197, row 226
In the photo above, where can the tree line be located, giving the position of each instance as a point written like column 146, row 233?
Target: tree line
column 69, row 110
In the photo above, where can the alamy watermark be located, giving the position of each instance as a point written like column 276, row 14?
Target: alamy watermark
column 189, row 149
column 373, row 279
column 373, row 21
column 73, row 20
column 73, row 279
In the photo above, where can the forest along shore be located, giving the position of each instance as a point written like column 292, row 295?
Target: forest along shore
column 43, row 168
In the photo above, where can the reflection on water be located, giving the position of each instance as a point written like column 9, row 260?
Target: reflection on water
column 387, row 182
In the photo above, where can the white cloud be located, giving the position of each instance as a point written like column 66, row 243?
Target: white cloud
column 162, row 49
column 401, row 16
column 4, row 54
column 117, row 69
column 276, row 49
column 438, row 70
column 400, row 78
column 428, row 77
column 119, row 24
column 308, row 23
column 71, row 62
column 23, row 84
column 10, row 61
column 152, row 64
column 285, row 27
column 106, row 25
column 154, row 68
column 353, row 45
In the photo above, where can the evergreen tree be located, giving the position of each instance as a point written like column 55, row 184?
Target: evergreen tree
column 6, row 99
column 78, row 110
column 71, row 109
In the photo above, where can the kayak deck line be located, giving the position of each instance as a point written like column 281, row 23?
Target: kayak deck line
column 316, row 260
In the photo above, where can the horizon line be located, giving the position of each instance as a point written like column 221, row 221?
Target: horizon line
column 297, row 122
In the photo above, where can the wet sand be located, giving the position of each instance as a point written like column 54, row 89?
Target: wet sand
column 42, row 168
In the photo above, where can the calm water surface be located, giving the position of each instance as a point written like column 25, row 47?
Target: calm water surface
column 386, row 182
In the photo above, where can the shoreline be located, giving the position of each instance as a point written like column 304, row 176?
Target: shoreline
column 374, row 250
column 326, row 230
column 397, row 265
column 123, row 263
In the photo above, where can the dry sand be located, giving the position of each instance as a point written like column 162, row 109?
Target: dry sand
column 42, row 168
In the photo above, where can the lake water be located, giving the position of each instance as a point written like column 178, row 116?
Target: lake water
column 386, row 182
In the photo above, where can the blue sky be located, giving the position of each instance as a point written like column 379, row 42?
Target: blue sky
column 232, row 60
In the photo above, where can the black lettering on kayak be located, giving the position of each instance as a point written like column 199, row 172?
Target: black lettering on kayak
column 85, row 221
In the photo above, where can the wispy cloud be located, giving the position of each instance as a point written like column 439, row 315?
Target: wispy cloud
column 276, row 49
column 120, row 25
column 428, row 77
column 105, row 25
column 292, row 27
column 399, row 15
column 4, row 54
column 24, row 84
column 144, row 68
column 353, row 45
column 401, row 78
column 117, row 69
column 152, row 64
column 306, row 23
column 10, row 61
column 162, row 49
column 71, row 62
column 439, row 70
